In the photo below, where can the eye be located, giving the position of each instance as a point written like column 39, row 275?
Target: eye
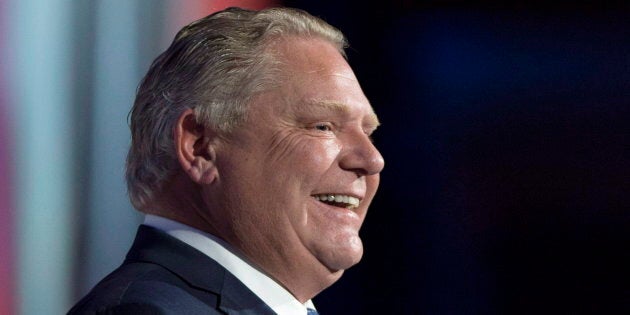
column 323, row 127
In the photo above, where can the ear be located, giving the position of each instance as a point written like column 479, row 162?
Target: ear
column 195, row 149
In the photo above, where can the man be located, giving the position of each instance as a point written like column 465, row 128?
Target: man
column 251, row 157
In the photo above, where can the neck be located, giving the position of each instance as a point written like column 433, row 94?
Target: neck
column 180, row 200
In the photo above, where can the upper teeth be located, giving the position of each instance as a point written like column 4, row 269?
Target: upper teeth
column 352, row 202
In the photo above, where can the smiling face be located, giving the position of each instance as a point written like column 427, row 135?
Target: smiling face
column 296, row 179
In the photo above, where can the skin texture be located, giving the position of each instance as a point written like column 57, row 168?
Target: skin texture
column 254, row 187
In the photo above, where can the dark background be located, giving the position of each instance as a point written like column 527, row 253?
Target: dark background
column 505, row 135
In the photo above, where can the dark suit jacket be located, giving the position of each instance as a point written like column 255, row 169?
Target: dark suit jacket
column 162, row 275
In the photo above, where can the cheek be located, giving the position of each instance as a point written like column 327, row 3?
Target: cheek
column 321, row 154
column 301, row 154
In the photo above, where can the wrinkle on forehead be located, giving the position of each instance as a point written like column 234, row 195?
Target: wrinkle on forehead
column 346, row 74
column 333, row 65
column 299, row 51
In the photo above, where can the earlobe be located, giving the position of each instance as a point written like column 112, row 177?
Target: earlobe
column 195, row 149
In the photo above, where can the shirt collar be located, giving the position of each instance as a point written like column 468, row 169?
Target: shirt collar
column 273, row 294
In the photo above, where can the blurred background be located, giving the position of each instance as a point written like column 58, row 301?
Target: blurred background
column 504, row 128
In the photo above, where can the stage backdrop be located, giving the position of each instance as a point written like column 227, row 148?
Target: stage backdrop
column 504, row 130
column 69, row 72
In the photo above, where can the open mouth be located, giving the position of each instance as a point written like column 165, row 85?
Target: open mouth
column 341, row 201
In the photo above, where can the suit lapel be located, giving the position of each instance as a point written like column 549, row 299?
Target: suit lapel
column 235, row 300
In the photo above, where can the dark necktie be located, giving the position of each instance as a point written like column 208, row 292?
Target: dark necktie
column 310, row 311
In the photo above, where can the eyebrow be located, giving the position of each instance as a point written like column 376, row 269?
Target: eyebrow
column 342, row 108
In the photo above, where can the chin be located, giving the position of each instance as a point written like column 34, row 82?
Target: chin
column 342, row 257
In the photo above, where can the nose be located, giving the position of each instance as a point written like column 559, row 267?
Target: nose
column 361, row 156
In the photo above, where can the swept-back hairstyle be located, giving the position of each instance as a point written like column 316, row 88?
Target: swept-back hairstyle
column 214, row 66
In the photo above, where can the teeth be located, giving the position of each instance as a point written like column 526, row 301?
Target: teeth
column 349, row 201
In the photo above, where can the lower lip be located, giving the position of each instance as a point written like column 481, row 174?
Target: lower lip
column 339, row 213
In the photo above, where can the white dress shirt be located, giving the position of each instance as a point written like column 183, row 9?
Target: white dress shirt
column 273, row 294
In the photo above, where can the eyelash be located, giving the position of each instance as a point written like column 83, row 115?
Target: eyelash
column 323, row 127
column 326, row 127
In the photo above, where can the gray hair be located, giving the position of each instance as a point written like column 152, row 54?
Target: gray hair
column 214, row 66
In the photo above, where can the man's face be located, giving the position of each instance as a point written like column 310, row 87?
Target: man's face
column 298, row 176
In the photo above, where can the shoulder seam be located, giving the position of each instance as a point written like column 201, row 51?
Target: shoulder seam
column 124, row 292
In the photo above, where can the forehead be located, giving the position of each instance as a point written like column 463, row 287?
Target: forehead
column 316, row 76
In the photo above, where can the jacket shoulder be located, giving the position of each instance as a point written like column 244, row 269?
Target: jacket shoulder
column 145, row 288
